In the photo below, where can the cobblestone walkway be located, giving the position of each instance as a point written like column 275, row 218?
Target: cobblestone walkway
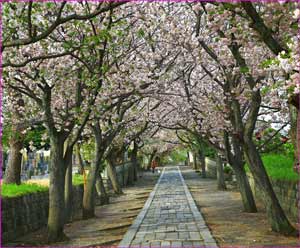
column 169, row 218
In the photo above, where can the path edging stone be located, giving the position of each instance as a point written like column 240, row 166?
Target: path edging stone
column 132, row 230
column 203, row 229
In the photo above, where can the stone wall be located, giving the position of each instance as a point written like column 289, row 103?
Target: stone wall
column 286, row 192
column 23, row 214
column 122, row 173
column 211, row 168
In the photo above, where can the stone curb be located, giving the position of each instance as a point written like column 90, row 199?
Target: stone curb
column 133, row 229
column 203, row 229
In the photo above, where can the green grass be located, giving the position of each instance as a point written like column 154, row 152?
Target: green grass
column 77, row 179
column 280, row 167
column 13, row 190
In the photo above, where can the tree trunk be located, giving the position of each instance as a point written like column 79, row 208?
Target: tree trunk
column 134, row 161
column 88, row 205
column 56, row 192
column 202, row 163
column 79, row 159
column 237, row 163
column 298, row 136
column 245, row 189
column 68, row 186
column 196, row 165
column 13, row 170
column 293, row 131
column 81, row 165
column 276, row 215
column 101, row 190
column 220, row 174
column 112, row 174
column 130, row 174
column 150, row 159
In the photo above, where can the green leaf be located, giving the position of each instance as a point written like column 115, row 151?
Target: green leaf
column 141, row 33
column 244, row 69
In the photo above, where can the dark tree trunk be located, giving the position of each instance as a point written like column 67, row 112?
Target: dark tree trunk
column 196, row 164
column 68, row 185
column 150, row 159
column 88, row 208
column 245, row 189
column 134, row 161
column 112, row 174
column 101, row 190
column 202, row 163
column 237, row 163
column 80, row 161
column 293, row 131
column 298, row 135
column 13, row 170
column 220, row 174
column 56, row 192
column 130, row 174
column 276, row 215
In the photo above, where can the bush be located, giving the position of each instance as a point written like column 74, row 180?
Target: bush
column 13, row 190
column 279, row 166
column 227, row 169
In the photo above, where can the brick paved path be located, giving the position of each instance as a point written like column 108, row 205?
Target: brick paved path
column 169, row 218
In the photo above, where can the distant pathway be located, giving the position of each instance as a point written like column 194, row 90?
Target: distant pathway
column 169, row 218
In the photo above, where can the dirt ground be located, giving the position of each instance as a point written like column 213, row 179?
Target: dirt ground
column 109, row 225
column 222, row 211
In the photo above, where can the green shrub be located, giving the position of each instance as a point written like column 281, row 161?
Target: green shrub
column 78, row 179
column 227, row 169
column 279, row 166
column 13, row 190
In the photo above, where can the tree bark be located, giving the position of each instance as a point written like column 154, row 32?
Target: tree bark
column 237, row 163
column 245, row 189
column 150, row 159
column 112, row 174
column 293, row 131
column 56, row 192
column 13, row 170
column 101, row 190
column 88, row 206
column 130, row 174
column 220, row 174
column 196, row 165
column 276, row 215
column 68, row 185
column 134, row 161
column 202, row 163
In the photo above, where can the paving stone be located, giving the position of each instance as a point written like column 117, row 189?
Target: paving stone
column 195, row 236
column 172, row 236
column 165, row 244
column 155, row 244
column 170, row 217
column 160, row 236
column 187, row 244
column 176, row 244
column 184, row 235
